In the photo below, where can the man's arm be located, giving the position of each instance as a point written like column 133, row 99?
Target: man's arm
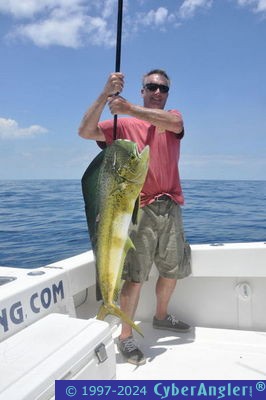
column 163, row 120
column 89, row 128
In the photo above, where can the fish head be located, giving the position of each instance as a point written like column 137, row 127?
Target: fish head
column 128, row 162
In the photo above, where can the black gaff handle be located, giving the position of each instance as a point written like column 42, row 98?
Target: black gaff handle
column 118, row 50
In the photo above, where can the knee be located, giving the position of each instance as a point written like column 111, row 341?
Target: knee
column 130, row 286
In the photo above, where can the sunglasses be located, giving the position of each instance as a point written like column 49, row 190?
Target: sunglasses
column 152, row 87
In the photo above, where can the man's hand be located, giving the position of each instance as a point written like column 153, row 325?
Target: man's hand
column 118, row 105
column 114, row 84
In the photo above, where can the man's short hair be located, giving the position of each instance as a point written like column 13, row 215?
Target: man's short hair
column 156, row 71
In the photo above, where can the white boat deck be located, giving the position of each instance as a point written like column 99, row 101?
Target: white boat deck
column 203, row 353
column 224, row 299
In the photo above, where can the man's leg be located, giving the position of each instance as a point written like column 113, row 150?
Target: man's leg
column 162, row 320
column 164, row 291
column 129, row 299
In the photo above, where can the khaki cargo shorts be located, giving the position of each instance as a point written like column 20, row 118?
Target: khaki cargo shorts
column 158, row 237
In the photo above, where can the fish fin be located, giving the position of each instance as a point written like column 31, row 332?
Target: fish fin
column 117, row 289
column 102, row 313
column 98, row 287
column 89, row 183
column 135, row 213
column 128, row 245
column 107, row 309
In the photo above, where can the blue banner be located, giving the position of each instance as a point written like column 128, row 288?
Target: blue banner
column 159, row 390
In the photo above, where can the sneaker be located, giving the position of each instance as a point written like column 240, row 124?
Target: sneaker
column 170, row 324
column 128, row 347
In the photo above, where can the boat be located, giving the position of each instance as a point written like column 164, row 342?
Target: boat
column 49, row 330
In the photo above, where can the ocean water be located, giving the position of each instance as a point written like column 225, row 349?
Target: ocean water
column 44, row 221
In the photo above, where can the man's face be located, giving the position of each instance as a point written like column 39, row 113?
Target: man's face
column 155, row 96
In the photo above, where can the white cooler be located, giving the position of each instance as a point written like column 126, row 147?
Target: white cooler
column 54, row 348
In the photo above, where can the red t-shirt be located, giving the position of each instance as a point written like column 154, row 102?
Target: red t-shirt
column 163, row 174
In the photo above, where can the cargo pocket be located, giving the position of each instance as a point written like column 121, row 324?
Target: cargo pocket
column 185, row 266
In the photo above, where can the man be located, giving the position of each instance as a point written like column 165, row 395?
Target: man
column 159, row 235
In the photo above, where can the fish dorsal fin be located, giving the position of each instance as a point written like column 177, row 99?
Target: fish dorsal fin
column 90, row 182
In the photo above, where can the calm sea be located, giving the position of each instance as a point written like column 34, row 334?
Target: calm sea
column 44, row 221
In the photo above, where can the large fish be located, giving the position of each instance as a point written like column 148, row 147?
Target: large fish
column 111, row 186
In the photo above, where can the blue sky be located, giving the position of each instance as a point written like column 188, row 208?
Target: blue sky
column 56, row 55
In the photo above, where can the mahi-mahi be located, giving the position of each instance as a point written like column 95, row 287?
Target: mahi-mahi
column 111, row 187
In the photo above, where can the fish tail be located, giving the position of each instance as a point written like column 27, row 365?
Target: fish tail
column 107, row 309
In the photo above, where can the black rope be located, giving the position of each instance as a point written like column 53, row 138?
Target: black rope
column 118, row 50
